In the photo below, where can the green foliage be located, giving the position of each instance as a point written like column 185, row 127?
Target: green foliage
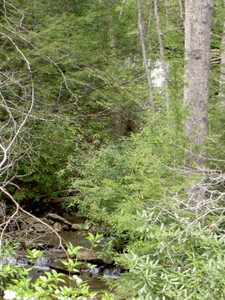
column 88, row 71
column 72, row 108
column 51, row 149
column 16, row 281
column 33, row 254
column 138, row 188
column 94, row 239
column 136, row 173
column 175, row 258
column 89, row 83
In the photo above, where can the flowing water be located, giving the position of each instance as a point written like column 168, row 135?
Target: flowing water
column 52, row 258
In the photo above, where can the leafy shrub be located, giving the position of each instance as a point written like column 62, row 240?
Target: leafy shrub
column 141, row 189
column 137, row 173
column 17, row 282
column 175, row 258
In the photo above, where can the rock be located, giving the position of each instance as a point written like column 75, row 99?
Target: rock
column 39, row 227
column 30, row 230
column 74, row 217
column 33, row 222
column 90, row 255
column 48, row 221
column 59, row 266
column 23, row 226
column 59, row 219
column 76, row 227
column 30, row 220
column 87, row 255
column 57, row 227
column 86, row 227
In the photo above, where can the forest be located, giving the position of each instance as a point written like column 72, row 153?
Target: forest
column 115, row 111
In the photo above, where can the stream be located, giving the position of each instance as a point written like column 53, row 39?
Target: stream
column 52, row 257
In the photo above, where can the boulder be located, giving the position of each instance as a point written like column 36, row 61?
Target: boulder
column 59, row 219
column 81, row 227
column 90, row 255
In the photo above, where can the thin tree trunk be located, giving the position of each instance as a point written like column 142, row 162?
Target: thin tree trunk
column 144, row 54
column 122, row 9
column 198, row 24
column 162, row 53
column 181, row 9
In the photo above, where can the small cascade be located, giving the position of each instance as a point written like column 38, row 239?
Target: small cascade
column 53, row 256
column 96, row 271
column 9, row 260
column 112, row 273
column 22, row 261
column 42, row 263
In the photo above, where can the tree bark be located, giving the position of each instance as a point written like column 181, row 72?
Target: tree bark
column 198, row 24
column 144, row 55
column 221, row 94
column 162, row 54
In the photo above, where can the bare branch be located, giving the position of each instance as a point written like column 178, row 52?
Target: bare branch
column 19, row 208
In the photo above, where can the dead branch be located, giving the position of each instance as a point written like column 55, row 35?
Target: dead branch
column 8, row 159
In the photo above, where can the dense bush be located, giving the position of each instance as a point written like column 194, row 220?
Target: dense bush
column 169, row 217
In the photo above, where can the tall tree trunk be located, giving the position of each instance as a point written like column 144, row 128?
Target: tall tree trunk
column 144, row 55
column 198, row 24
column 162, row 54
column 222, row 69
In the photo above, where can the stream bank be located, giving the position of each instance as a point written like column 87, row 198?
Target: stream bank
column 72, row 228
